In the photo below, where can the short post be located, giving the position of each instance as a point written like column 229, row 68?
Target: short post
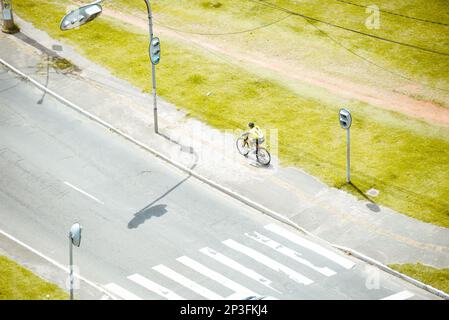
column 74, row 239
column 345, row 122
column 8, row 17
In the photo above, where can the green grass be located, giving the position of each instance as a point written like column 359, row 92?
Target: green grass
column 437, row 278
column 18, row 283
column 295, row 41
column 407, row 160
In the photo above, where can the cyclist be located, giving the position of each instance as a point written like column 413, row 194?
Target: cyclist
column 255, row 135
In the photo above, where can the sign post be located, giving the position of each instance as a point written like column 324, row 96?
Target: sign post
column 75, row 239
column 345, row 122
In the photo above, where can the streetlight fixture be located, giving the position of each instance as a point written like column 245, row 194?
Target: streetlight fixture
column 89, row 12
column 75, row 239
column 80, row 16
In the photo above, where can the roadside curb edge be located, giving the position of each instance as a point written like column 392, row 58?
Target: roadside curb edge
column 391, row 271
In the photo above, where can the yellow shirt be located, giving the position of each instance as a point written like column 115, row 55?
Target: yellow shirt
column 255, row 133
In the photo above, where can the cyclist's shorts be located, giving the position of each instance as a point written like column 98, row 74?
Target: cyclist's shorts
column 260, row 140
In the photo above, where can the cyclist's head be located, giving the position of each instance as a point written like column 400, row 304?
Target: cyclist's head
column 251, row 125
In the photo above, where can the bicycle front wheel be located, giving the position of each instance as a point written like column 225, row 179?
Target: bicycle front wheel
column 242, row 146
column 263, row 157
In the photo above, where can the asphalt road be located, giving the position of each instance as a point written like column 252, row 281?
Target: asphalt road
column 149, row 230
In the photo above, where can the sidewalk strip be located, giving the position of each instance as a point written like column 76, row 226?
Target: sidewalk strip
column 230, row 284
column 289, row 253
column 238, row 267
column 83, row 192
column 120, row 292
column 403, row 295
column 186, row 282
column 270, row 263
column 154, row 287
column 345, row 263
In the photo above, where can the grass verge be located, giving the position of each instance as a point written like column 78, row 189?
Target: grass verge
column 18, row 283
column 405, row 159
column 437, row 278
column 298, row 42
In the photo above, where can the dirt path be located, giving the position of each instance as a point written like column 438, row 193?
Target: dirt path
column 382, row 98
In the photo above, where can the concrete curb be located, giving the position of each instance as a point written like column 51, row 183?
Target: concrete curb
column 223, row 189
column 386, row 268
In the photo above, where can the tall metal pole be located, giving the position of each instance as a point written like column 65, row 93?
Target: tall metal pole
column 348, row 156
column 153, row 67
column 71, row 267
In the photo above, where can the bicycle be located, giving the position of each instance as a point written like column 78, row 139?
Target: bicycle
column 243, row 146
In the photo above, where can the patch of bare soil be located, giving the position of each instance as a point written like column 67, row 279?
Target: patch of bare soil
column 392, row 100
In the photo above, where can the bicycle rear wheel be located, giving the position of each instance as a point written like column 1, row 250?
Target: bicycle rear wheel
column 242, row 146
column 263, row 157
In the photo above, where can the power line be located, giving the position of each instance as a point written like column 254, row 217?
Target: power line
column 368, row 60
column 271, row 5
column 225, row 33
column 395, row 14
column 371, row 62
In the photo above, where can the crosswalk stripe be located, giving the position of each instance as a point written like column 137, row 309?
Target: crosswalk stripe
column 240, row 291
column 154, row 287
column 289, row 253
column 186, row 282
column 270, row 263
column 238, row 267
column 403, row 295
column 121, row 292
column 346, row 263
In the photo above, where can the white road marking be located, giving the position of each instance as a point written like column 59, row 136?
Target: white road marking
column 154, row 287
column 186, row 282
column 270, row 263
column 289, row 253
column 120, row 292
column 238, row 267
column 403, row 295
column 83, row 192
column 240, row 291
column 346, row 263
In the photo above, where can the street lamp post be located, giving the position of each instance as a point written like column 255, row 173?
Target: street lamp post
column 89, row 12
